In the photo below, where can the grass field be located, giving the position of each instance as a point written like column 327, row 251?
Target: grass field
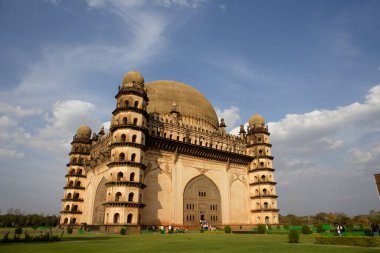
column 177, row 243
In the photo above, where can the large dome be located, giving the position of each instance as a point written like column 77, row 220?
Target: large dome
column 190, row 102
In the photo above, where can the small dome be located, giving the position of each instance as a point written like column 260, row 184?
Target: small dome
column 133, row 76
column 256, row 120
column 84, row 131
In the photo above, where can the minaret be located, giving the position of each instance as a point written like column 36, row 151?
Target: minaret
column 72, row 202
column 261, row 174
column 125, row 186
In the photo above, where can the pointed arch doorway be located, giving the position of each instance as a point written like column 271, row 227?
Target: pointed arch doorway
column 201, row 202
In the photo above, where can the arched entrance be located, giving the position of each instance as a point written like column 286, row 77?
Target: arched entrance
column 201, row 201
column 100, row 198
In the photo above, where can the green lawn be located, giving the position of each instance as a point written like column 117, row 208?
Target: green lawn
column 177, row 243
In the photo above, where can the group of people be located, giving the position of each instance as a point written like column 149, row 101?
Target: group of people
column 375, row 229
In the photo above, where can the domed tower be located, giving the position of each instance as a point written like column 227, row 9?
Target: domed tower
column 261, row 174
column 126, row 168
column 72, row 203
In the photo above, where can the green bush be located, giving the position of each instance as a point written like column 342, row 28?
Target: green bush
column 286, row 227
column 278, row 226
column 362, row 241
column 69, row 230
column 18, row 231
column 261, row 229
column 202, row 230
column 293, row 236
column 122, row 231
column 306, row 230
column 227, row 229
column 320, row 228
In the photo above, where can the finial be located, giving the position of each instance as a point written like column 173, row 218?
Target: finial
column 242, row 131
column 222, row 124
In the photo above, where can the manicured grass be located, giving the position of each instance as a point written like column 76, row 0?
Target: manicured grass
column 177, row 243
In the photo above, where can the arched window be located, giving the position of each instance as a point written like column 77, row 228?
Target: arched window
column 68, row 196
column 133, row 157
column 263, row 178
column 136, row 104
column 266, row 220
column 119, row 176
column 260, row 152
column 74, row 160
column 121, row 157
column 130, row 197
column 135, row 121
column 71, row 183
column 74, row 220
column 80, row 171
column 265, row 191
column 126, row 103
column 129, row 218
column 66, row 221
column 72, row 172
column 132, row 177
column 76, row 196
column 266, row 205
column 125, row 120
column 75, row 208
column 67, row 208
column 140, row 198
column 76, row 149
column 134, row 137
column 123, row 137
column 116, row 218
column 118, row 196
column 262, row 164
column 77, row 184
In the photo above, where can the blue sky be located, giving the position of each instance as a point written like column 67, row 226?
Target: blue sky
column 311, row 68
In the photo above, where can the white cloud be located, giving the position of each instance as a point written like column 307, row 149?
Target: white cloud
column 141, row 3
column 230, row 115
column 10, row 153
column 222, row 7
column 18, row 111
column 6, row 122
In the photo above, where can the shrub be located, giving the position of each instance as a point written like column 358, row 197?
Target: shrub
column 362, row 241
column 6, row 237
column 69, row 230
column 122, row 231
column 286, row 227
column 18, row 231
column 261, row 229
column 306, row 230
column 278, row 226
column 320, row 228
column 202, row 230
column 293, row 236
column 227, row 229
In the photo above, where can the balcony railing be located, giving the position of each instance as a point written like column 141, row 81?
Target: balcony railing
column 72, row 200
column 126, row 183
column 73, row 187
column 265, row 210
column 263, row 196
column 75, row 175
column 71, row 212
column 263, row 182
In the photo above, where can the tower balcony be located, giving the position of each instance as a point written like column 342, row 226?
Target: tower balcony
column 259, row 210
column 261, row 169
column 81, row 140
column 259, row 144
column 71, row 212
column 73, row 187
column 130, row 108
column 132, row 91
column 75, row 164
column 124, row 204
column 75, row 175
column 131, row 126
column 79, row 153
column 265, row 156
column 72, row 200
column 260, row 182
column 126, row 163
column 126, row 183
column 127, row 144
column 263, row 196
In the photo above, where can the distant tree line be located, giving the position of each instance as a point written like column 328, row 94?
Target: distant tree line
column 17, row 218
column 332, row 218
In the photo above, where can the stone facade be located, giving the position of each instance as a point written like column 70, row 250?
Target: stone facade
column 168, row 161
